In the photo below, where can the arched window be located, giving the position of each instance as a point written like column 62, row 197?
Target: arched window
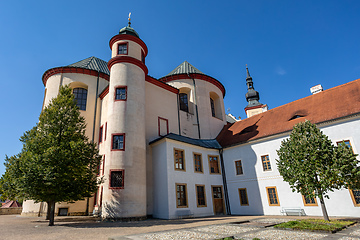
column 80, row 97
column 184, row 104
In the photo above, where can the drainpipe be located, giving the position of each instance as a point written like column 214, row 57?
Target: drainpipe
column 223, row 174
column 178, row 112
column 196, row 107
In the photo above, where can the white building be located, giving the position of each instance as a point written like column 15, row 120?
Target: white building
column 168, row 150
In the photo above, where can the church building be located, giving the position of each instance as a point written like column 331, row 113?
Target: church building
column 169, row 150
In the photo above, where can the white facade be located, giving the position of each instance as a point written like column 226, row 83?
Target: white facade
column 156, row 128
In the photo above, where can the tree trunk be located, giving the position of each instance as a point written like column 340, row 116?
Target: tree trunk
column 323, row 208
column 87, row 207
column 48, row 211
column 52, row 213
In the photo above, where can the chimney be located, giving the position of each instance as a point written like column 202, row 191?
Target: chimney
column 316, row 89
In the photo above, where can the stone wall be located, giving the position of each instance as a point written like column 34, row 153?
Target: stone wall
column 9, row 211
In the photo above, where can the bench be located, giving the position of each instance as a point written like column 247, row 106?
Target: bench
column 184, row 213
column 293, row 211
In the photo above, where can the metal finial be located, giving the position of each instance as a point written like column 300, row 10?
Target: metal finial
column 129, row 19
column 247, row 71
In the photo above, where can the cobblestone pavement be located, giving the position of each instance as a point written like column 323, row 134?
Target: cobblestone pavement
column 76, row 228
column 257, row 228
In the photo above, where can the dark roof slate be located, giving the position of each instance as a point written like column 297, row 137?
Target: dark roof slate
column 92, row 63
column 206, row 143
column 184, row 68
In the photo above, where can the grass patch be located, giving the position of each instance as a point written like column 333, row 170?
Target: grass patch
column 315, row 225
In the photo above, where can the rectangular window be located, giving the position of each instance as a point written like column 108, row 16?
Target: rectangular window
column 355, row 196
column 198, row 163
column 123, row 48
column 163, row 126
column 238, row 167
column 142, row 57
column 100, row 134
column 120, row 93
column 181, row 196
column 105, row 131
column 243, row 197
column 266, row 163
column 272, row 196
column 200, row 194
column 117, row 179
column 118, row 142
column 183, row 99
column 309, row 201
column 212, row 104
column 214, row 164
column 103, row 165
column 347, row 143
column 179, row 160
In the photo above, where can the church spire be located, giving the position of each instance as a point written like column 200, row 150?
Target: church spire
column 252, row 97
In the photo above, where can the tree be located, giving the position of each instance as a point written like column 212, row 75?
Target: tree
column 57, row 162
column 313, row 166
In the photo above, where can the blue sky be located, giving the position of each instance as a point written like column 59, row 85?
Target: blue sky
column 289, row 46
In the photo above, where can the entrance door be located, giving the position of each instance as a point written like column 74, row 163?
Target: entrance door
column 218, row 201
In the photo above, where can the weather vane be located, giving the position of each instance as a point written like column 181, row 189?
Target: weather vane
column 129, row 19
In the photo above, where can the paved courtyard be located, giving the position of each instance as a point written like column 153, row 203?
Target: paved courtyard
column 242, row 227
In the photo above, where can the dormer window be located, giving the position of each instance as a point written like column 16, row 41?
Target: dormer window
column 122, row 49
column 295, row 117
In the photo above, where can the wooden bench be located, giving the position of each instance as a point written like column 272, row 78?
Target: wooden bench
column 293, row 211
column 184, row 213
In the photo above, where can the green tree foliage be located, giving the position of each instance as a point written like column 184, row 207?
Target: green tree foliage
column 313, row 165
column 57, row 162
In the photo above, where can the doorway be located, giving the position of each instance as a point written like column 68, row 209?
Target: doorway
column 218, row 200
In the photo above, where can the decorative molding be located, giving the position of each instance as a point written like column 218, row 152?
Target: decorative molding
column 68, row 69
column 127, row 59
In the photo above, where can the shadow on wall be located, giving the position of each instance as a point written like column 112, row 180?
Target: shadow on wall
column 113, row 209
column 246, row 182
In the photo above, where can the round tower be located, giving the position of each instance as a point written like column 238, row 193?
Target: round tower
column 124, row 193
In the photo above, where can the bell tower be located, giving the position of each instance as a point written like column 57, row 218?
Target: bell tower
column 124, row 193
column 254, row 107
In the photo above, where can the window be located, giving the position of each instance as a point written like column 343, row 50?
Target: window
column 80, row 97
column 198, row 163
column 309, row 201
column 272, row 196
column 118, row 142
column 181, row 196
column 212, row 104
column 103, row 165
column 214, row 164
column 123, row 48
column 179, row 159
column 142, row 57
column 183, row 99
column 200, row 195
column 347, row 143
column 117, row 179
column 238, row 167
column 243, row 197
column 100, row 134
column 355, row 196
column 163, row 125
column 120, row 94
column 266, row 162
column 105, row 131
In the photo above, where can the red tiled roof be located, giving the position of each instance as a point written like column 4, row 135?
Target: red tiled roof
column 334, row 103
column 9, row 204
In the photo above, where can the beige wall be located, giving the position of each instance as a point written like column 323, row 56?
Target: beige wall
column 9, row 211
column 209, row 126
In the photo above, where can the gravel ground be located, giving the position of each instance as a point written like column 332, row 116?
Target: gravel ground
column 284, row 234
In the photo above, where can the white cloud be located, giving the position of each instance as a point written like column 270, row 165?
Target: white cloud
column 280, row 71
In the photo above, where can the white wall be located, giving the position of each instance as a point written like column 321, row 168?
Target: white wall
column 164, row 184
column 255, row 180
